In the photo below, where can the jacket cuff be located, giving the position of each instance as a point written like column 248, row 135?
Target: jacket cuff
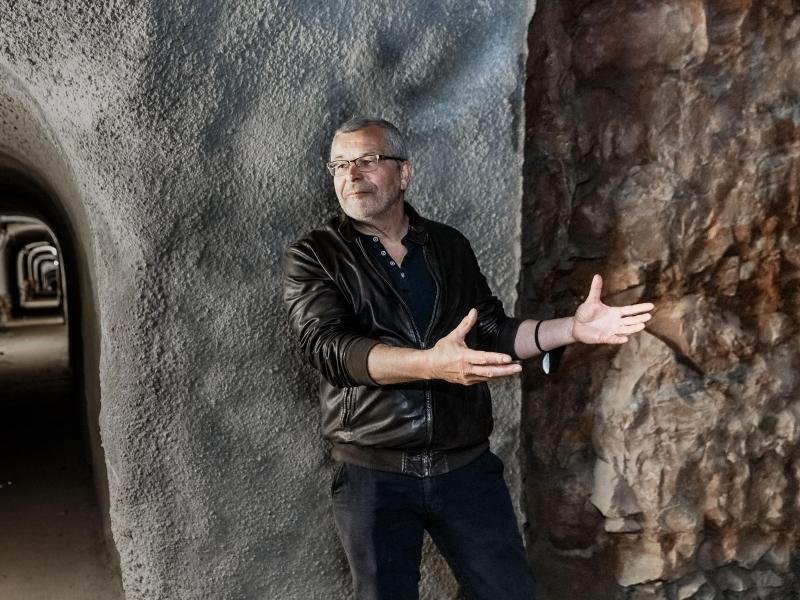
column 507, row 336
column 356, row 361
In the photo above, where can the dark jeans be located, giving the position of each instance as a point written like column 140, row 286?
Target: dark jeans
column 381, row 516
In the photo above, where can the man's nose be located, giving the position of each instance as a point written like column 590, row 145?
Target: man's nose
column 353, row 172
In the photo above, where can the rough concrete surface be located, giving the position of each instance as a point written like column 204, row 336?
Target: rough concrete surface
column 184, row 142
column 663, row 151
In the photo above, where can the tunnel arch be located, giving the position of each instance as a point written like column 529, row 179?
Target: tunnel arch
column 36, row 181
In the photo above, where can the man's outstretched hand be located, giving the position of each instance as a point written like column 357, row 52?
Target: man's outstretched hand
column 450, row 359
column 598, row 323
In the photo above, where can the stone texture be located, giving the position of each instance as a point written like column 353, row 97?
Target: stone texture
column 663, row 151
column 184, row 141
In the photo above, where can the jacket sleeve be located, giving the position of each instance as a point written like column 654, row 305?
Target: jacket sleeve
column 322, row 319
column 496, row 331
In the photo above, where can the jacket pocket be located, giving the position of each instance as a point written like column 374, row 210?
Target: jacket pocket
column 347, row 407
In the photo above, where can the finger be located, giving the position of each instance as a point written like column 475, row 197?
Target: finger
column 476, row 357
column 635, row 309
column 473, row 379
column 628, row 329
column 643, row 318
column 596, row 289
column 462, row 329
column 494, row 372
column 618, row 339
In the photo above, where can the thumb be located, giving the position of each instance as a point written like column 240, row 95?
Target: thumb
column 466, row 324
column 596, row 289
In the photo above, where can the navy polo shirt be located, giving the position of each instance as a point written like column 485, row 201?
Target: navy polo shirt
column 412, row 280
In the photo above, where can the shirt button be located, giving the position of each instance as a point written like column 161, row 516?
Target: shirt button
column 402, row 274
column 391, row 262
column 374, row 239
column 383, row 252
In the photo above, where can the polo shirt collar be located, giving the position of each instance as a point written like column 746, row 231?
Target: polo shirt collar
column 417, row 230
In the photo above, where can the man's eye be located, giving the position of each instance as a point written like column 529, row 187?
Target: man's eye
column 365, row 161
column 340, row 166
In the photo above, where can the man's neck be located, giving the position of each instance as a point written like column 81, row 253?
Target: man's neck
column 392, row 228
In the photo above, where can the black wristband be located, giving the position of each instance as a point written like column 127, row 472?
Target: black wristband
column 536, row 337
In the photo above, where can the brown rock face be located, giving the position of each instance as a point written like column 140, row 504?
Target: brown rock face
column 663, row 151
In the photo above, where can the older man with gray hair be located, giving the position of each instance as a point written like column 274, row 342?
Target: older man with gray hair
column 393, row 311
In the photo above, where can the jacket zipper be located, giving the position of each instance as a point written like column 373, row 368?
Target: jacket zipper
column 428, row 395
column 421, row 342
column 347, row 408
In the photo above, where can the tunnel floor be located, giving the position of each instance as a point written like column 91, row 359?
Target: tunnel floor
column 51, row 541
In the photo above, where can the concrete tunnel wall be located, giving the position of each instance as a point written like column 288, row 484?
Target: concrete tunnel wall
column 186, row 141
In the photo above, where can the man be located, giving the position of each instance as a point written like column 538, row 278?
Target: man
column 394, row 313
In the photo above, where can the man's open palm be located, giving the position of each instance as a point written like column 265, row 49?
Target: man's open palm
column 598, row 323
column 453, row 361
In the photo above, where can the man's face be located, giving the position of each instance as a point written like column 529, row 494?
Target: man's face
column 367, row 196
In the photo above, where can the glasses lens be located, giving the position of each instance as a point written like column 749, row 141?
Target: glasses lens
column 366, row 163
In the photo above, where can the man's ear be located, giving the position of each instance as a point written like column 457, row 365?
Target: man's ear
column 406, row 172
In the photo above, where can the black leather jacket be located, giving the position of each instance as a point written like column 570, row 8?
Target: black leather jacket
column 341, row 304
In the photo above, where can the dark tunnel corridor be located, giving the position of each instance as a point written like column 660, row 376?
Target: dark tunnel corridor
column 52, row 544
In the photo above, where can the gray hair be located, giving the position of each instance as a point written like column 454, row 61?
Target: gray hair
column 395, row 142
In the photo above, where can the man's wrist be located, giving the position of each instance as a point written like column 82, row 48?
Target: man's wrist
column 550, row 334
column 571, row 330
column 536, row 341
column 425, row 364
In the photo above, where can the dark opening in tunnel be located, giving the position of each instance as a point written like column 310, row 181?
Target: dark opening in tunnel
column 53, row 543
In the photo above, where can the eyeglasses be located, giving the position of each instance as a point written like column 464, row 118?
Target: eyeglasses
column 365, row 163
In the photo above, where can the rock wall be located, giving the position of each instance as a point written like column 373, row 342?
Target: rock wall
column 191, row 137
column 662, row 150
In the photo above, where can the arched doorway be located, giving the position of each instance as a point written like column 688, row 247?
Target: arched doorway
column 54, row 541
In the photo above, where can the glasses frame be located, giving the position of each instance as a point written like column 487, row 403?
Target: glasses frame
column 331, row 165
